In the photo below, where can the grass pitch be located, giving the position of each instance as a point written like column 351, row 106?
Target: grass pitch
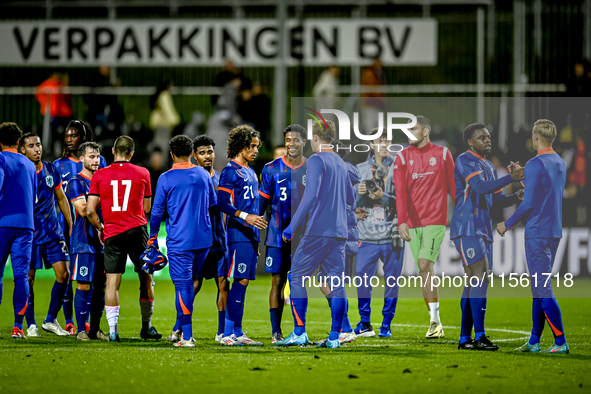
column 404, row 363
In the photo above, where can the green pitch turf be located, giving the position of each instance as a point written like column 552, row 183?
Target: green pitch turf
column 404, row 363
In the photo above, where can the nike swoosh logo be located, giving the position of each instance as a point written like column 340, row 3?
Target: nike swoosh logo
column 281, row 181
column 65, row 175
column 292, row 340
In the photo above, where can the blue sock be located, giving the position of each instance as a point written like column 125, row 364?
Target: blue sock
column 554, row 317
column 18, row 321
column 346, row 323
column 538, row 320
column 20, row 298
column 234, row 308
column 238, row 322
column 274, row 320
column 228, row 325
column 299, row 307
column 186, row 325
column 467, row 321
column 177, row 325
column 184, row 308
column 68, row 304
column 221, row 321
column 57, row 298
column 30, row 312
column 478, row 306
column 81, row 307
column 337, row 314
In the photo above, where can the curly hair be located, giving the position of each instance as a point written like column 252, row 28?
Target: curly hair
column 470, row 129
column 10, row 134
column 181, row 146
column 202, row 140
column 240, row 138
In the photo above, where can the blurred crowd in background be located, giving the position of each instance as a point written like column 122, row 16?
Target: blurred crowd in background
column 243, row 100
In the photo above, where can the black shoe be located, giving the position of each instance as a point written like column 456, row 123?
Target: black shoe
column 150, row 333
column 468, row 345
column 485, row 344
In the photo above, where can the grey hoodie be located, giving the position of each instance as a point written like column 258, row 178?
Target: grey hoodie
column 374, row 229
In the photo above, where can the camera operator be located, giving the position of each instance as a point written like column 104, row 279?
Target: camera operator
column 378, row 233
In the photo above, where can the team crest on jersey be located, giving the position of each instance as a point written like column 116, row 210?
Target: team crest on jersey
column 83, row 271
column 49, row 180
column 415, row 175
column 304, row 180
column 269, row 261
column 242, row 268
column 411, row 162
column 432, row 161
column 470, row 253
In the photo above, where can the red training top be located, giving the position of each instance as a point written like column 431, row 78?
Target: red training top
column 422, row 179
column 122, row 187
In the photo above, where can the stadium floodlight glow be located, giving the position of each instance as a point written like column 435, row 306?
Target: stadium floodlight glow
column 344, row 127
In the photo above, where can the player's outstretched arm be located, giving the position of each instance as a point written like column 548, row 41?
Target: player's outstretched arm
column 91, row 214
column 62, row 201
column 159, row 208
column 533, row 174
column 226, row 193
column 314, row 173
column 1, row 173
column 265, row 191
column 450, row 168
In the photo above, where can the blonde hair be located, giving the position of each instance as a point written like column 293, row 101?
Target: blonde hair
column 546, row 129
column 326, row 135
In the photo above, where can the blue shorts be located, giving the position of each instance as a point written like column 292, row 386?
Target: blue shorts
column 49, row 253
column 16, row 243
column 278, row 260
column 474, row 249
column 185, row 265
column 324, row 253
column 242, row 260
column 540, row 254
column 82, row 267
column 215, row 265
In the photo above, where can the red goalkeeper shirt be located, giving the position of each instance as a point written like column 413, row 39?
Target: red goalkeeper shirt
column 422, row 179
column 122, row 187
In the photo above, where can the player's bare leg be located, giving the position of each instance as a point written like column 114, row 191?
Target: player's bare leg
column 431, row 296
column 112, row 305
column 276, row 303
column 147, row 306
